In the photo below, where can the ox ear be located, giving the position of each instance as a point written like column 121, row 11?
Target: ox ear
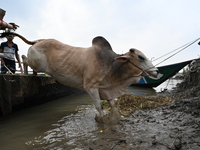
column 122, row 58
column 101, row 42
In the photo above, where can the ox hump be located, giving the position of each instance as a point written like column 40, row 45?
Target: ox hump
column 101, row 42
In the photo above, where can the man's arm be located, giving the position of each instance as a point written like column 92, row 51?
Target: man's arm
column 4, row 25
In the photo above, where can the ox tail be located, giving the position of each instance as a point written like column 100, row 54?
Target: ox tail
column 4, row 34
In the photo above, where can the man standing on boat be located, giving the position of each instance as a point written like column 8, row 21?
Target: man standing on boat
column 10, row 51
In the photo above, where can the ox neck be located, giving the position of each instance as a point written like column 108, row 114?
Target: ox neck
column 122, row 71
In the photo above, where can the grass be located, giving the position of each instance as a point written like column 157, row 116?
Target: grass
column 128, row 103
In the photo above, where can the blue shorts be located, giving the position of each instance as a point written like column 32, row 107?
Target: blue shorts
column 10, row 64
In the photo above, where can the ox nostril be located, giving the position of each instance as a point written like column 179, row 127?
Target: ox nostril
column 157, row 72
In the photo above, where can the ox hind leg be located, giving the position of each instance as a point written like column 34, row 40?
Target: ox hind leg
column 25, row 65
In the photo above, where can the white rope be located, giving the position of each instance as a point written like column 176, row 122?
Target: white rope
column 181, row 49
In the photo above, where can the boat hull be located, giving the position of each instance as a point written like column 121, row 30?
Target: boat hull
column 166, row 72
column 21, row 91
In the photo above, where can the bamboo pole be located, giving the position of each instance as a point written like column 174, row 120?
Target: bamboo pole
column 8, row 69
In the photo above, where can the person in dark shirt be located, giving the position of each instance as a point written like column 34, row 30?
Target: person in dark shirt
column 10, row 51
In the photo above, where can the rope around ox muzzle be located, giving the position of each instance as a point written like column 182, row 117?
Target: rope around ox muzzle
column 143, row 71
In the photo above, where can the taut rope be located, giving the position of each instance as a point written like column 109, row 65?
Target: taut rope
column 181, row 49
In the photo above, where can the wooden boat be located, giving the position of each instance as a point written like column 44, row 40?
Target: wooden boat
column 166, row 72
column 21, row 91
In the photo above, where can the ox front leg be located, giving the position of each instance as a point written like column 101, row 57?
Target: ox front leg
column 94, row 94
column 111, row 118
column 114, row 115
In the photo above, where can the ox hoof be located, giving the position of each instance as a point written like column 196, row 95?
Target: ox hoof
column 113, row 117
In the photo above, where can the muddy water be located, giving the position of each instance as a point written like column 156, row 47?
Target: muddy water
column 66, row 123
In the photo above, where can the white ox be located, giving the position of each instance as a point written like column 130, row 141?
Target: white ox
column 98, row 70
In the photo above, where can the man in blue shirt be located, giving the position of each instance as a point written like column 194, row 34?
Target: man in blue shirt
column 10, row 51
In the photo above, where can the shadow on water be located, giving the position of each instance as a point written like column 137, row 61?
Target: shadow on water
column 139, row 91
column 66, row 123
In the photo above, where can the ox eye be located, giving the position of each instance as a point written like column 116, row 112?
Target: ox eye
column 141, row 58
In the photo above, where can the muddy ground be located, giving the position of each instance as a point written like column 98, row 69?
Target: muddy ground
column 173, row 127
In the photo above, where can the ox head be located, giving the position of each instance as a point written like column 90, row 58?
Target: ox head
column 140, row 62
